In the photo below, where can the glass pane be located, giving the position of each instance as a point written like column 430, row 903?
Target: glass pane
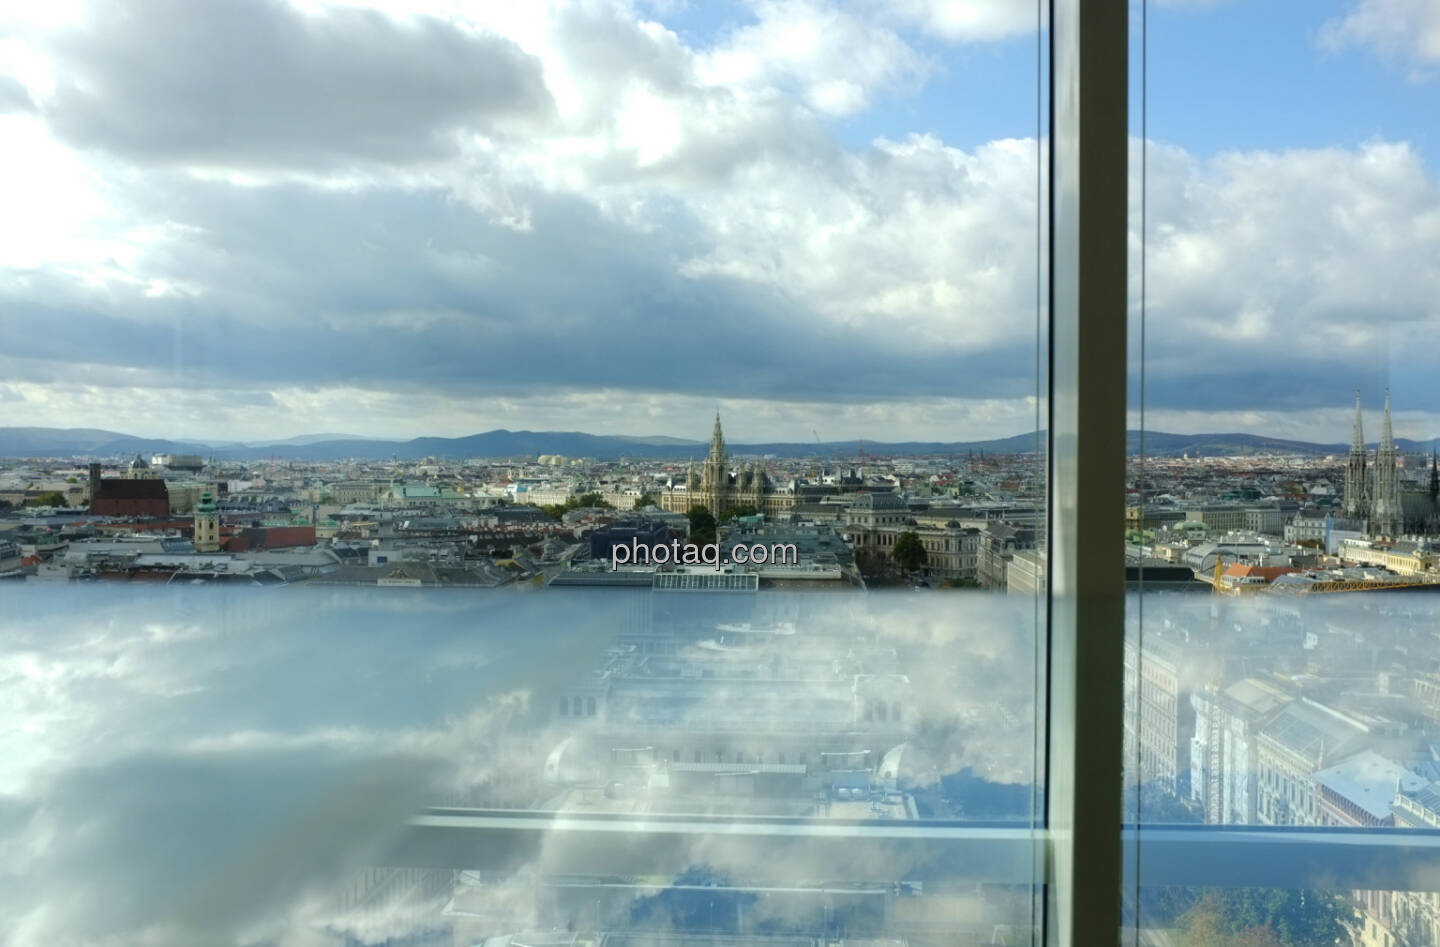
column 1283, row 517
column 549, row 473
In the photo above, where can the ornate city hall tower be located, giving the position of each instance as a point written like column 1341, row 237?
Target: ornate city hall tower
column 717, row 488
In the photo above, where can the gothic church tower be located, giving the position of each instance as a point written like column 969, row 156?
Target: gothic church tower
column 1386, row 516
column 1357, row 484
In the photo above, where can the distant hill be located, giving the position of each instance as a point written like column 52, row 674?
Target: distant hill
column 52, row 442
column 72, row 442
column 1161, row 444
column 89, row 442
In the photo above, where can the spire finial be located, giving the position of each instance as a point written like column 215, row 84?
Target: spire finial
column 1357, row 435
column 1387, row 434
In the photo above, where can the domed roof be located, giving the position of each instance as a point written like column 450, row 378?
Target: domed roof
column 905, row 766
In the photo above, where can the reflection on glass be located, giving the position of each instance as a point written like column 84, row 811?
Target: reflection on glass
column 249, row 760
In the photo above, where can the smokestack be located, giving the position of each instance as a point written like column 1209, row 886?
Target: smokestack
column 94, row 482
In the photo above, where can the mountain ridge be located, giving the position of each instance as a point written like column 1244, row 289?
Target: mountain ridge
column 502, row 443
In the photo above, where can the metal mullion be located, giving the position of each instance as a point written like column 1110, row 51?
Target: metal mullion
column 1087, row 266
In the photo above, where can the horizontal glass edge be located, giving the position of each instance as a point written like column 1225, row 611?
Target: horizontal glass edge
column 1340, row 858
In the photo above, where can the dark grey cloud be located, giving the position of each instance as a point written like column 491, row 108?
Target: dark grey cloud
column 408, row 290
column 260, row 83
column 1183, row 372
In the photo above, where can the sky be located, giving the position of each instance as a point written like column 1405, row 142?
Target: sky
column 254, row 219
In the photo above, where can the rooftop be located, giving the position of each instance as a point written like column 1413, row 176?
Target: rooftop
column 1370, row 781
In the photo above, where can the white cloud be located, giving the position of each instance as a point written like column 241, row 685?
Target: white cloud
column 1272, row 276
column 915, row 239
column 836, row 59
column 1408, row 29
column 966, row 20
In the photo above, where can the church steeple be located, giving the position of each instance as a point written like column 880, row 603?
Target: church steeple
column 1357, row 435
column 715, row 477
column 1387, row 435
column 206, row 536
column 717, row 439
column 1357, row 484
column 1386, row 517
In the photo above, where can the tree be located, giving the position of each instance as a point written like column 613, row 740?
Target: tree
column 1206, row 926
column 645, row 500
column 1259, row 917
column 877, row 568
column 47, row 499
column 702, row 525
column 742, row 509
column 909, row 552
column 595, row 500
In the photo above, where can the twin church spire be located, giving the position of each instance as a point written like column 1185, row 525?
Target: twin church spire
column 1374, row 498
column 1357, row 486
